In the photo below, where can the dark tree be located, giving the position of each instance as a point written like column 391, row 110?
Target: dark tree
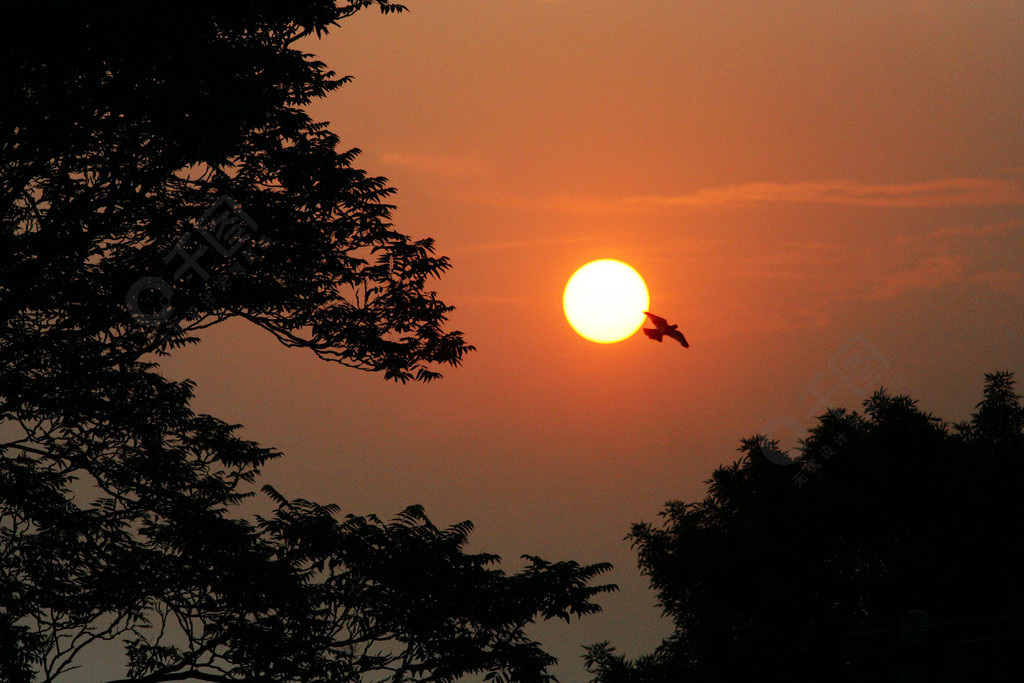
column 158, row 175
column 816, row 572
column 123, row 123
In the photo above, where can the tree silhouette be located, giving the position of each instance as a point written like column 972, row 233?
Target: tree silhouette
column 159, row 176
column 817, row 577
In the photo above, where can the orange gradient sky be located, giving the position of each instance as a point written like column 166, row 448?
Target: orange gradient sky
column 826, row 196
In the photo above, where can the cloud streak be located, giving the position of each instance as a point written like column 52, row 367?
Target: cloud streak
column 511, row 245
column 930, row 272
column 439, row 165
column 939, row 193
column 972, row 256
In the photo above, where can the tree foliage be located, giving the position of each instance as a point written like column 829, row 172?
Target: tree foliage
column 767, row 578
column 122, row 126
column 122, row 138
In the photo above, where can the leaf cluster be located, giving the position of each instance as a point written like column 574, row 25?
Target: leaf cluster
column 805, row 571
column 111, row 156
column 121, row 509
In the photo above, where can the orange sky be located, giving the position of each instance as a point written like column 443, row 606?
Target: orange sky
column 827, row 196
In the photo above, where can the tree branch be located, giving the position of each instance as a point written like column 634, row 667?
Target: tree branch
column 186, row 675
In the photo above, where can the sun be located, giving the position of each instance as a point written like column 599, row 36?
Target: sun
column 605, row 301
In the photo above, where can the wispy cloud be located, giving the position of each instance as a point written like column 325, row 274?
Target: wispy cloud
column 1003, row 280
column 478, row 182
column 509, row 245
column 458, row 167
column 463, row 299
column 930, row 272
column 973, row 256
column 966, row 256
column 938, row 193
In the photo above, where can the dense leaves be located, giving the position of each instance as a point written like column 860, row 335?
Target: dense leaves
column 807, row 577
column 159, row 176
column 115, row 144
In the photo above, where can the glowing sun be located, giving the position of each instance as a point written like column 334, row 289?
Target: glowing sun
column 605, row 301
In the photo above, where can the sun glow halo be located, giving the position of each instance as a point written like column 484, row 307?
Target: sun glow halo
column 605, row 300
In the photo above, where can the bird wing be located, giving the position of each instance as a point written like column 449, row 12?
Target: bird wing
column 658, row 321
column 678, row 336
column 653, row 334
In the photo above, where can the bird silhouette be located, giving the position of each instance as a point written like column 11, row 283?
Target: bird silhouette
column 663, row 329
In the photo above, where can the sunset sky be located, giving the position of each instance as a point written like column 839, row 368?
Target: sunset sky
column 826, row 196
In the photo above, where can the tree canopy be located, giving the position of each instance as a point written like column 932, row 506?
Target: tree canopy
column 813, row 577
column 159, row 175
column 143, row 118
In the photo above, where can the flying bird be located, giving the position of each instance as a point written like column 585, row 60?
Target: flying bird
column 663, row 329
